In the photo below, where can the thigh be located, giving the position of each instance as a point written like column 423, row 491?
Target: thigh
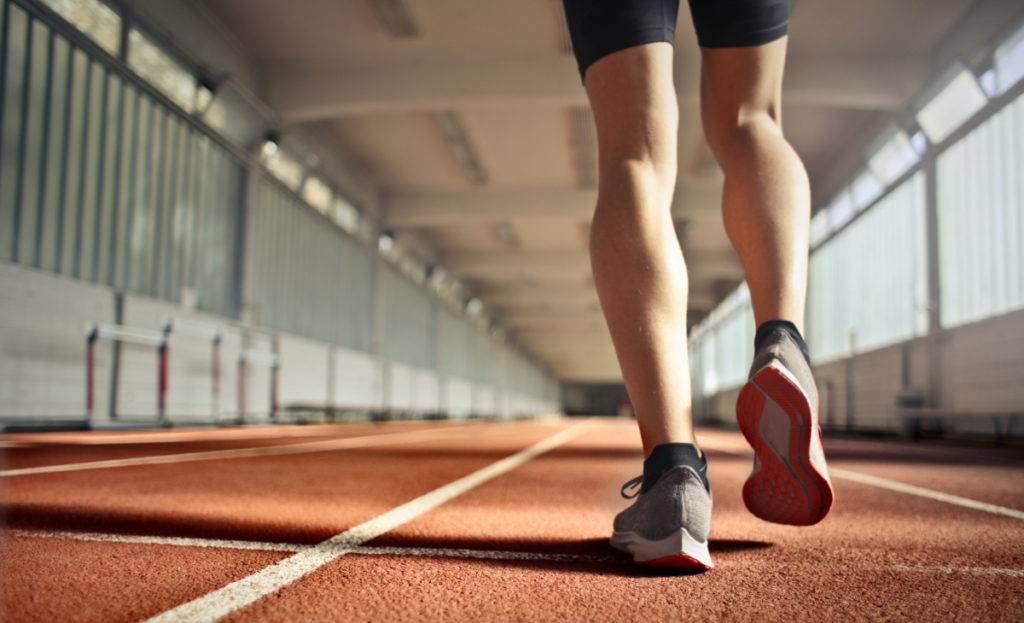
column 738, row 83
column 635, row 110
column 601, row 27
column 739, row 23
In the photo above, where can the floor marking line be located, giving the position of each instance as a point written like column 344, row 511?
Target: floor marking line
column 245, row 591
column 267, row 546
column 893, row 485
column 235, row 453
column 1013, row 573
column 883, row 483
column 176, row 541
column 158, row 436
column 475, row 554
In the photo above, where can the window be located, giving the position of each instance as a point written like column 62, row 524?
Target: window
column 168, row 75
column 865, row 189
column 980, row 203
column 894, row 157
column 345, row 215
column 1009, row 63
column 283, row 166
column 840, row 211
column 819, row 227
column 317, row 194
column 957, row 102
column 94, row 18
column 867, row 285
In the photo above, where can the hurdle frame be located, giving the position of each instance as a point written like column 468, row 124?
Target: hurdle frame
column 128, row 335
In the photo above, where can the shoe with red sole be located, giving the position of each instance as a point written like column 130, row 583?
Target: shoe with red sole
column 777, row 412
column 668, row 525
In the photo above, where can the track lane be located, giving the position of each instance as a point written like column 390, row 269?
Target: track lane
column 877, row 556
column 267, row 582
column 296, row 499
column 538, row 535
column 33, row 450
column 50, row 580
column 293, row 498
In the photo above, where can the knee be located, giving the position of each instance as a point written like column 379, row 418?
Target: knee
column 649, row 177
column 738, row 133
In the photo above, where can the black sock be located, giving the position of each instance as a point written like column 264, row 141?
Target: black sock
column 766, row 328
column 668, row 455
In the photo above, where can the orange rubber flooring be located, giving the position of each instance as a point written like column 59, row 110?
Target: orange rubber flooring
column 473, row 521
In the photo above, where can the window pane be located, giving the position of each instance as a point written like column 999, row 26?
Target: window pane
column 33, row 146
column 107, row 206
column 92, row 17
column 867, row 285
column 345, row 215
column 981, row 228
column 953, row 105
column 893, row 158
column 819, row 227
column 317, row 194
column 152, row 63
column 284, row 167
column 1010, row 61
column 840, row 211
column 75, row 125
column 55, row 148
column 17, row 41
column 865, row 189
column 90, row 171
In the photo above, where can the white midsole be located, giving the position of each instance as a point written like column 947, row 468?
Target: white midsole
column 680, row 542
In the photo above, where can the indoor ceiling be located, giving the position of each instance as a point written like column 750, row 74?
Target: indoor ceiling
column 469, row 118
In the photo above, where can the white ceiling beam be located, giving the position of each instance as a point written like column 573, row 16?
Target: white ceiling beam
column 307, row 93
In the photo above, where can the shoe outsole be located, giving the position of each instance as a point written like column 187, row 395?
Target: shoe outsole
column 787, row 487
column 677, row 561
column 676, row 551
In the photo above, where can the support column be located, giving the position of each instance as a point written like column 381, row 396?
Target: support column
column 934, row 337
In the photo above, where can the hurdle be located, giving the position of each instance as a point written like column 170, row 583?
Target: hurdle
column 128, row 335
column 264, row 359
column 215, row 336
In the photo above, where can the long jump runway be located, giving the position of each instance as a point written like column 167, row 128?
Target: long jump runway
column 481, row 521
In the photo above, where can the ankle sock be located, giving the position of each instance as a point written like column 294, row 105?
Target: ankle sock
column 668, row 455
column 766, row 329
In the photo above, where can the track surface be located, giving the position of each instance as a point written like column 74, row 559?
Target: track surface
column 197, row 536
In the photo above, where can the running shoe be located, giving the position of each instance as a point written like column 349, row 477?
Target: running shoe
column 777, row 411
column 668, row 524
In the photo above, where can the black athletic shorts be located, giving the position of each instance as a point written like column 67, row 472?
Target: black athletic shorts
column 600, row 27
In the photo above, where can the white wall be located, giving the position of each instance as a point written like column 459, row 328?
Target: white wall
column 358, row 380
column 304, row 372
column 42, row 345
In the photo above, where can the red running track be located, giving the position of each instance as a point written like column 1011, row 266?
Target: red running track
column 98, row 530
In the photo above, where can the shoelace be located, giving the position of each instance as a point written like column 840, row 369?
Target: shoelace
column 634, row 483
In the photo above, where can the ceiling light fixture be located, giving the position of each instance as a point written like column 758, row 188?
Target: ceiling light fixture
column 455, row 135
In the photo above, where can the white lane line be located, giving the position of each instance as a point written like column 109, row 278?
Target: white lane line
column 237, row 453
column 892, row 485
column 163, row 436
column 241, row 593
column 1013, row 573
column 266, row 546
column 176, row 541
column 480, row 554
column 883, row 483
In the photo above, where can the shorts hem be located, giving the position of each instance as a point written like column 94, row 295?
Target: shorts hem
column 746, row 40
column 622, row 41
